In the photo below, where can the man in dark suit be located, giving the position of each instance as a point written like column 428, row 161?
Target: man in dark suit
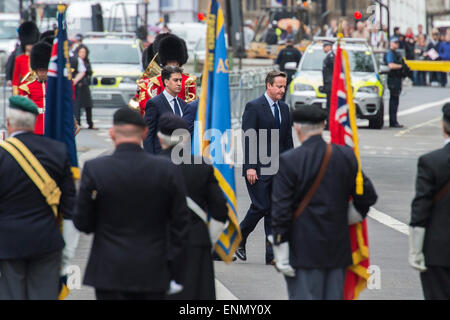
column 314, row 251
column 31, row 243
column 135, row 205
column 167, row 101
column 267, row 114
column 203, row 189
column 429, row 237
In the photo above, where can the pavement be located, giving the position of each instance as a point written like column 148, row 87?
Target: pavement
column 389, row 158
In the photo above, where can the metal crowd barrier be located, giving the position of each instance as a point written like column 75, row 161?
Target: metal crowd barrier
column 245, row 85
column 5, row 94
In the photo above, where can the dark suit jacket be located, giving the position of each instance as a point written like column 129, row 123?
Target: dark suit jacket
column 319, row 238
column 203, row 188
column 154, row 108
column 258, row 115
column 135, row 205
column 191, row 115
column 433, row 173
column 28, row 226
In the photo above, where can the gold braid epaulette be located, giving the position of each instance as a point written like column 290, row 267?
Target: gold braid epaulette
column 29, row 78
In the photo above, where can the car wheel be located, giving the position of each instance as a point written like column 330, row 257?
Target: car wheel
column 377, row 122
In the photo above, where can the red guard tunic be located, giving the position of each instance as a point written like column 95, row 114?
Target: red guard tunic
column 149, row 88
column 35, row 90
column 21, row 69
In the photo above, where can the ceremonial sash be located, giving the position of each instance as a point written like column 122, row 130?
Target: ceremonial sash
column 35, row 171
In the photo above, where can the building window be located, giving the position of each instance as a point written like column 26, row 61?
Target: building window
column 167, row 4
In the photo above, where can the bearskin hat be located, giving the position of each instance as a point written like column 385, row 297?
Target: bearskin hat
column 28, row 33
column 147, row 56
column 171, row 48
column 40, row 55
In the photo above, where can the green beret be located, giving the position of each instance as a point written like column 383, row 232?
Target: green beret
column 23, row 104
column 311, row 114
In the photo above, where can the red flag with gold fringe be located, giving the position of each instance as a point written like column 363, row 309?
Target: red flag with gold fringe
column 343, row 130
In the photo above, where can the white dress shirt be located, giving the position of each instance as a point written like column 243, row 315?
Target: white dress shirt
column 170, row 98
column 271, row 103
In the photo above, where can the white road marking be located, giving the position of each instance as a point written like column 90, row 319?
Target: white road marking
column 421, row 107
column 388, row 221
column 222, row 293
column 420, row 125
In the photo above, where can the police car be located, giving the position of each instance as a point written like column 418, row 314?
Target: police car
column 116, row 60
column 306, row 86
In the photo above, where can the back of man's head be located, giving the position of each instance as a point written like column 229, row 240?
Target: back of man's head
column 128, row 127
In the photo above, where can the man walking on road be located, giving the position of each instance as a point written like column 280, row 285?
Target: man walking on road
column 429, row 237
column 135, row 205
column 34, row 201
column 312, row 248
column 265, row 115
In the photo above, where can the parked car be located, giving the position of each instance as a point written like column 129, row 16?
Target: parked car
column 116, row 65
column 366, row 82
column 9, row 22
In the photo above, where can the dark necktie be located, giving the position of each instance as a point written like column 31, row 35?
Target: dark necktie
column 176, row 107
column 277, row 115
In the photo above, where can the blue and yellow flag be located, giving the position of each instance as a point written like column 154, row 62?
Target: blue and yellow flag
column 212, row 131
column 59, row 120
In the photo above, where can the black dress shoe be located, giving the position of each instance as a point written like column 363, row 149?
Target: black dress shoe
column 241, row 254
column 397, row 125
column 270, row 262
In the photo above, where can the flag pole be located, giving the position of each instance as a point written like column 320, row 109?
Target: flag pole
column 352, row 112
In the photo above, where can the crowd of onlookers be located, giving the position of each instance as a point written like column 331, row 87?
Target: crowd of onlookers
column 434, row 46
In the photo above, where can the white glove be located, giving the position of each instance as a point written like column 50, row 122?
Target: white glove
column 71, row 236
column 215, row 230
column 281, row 253
column 416, row 257
column 353, row 215
column 174, row 288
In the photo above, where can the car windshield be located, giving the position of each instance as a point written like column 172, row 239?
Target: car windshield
column 113, row 53
column 360, row 61
column 8, row 29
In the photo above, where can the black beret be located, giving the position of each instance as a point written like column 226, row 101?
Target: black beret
column 446, row 111
column 127, row 116
column 309, row 114
column 169, row 122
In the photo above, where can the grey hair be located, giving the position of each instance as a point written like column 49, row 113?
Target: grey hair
column 310, row 129
column 20, row 119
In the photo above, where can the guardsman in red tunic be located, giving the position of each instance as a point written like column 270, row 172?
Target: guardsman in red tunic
column 28, row 35
column 34, row 86
column 169, row 50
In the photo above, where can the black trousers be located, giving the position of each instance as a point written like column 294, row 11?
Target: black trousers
column 260, row 195
column 83, row 100
column 394, row 101
column 436, row 283
column 198, row 275
column 123, row 295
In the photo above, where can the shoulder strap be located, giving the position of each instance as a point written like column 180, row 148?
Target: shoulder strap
column 316, row 183
column 442, row 193
column 35, row 171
